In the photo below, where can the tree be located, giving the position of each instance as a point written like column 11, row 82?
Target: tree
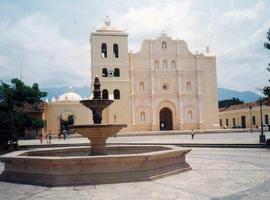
column 266, row 89
column 14, row 119
column 229, row 102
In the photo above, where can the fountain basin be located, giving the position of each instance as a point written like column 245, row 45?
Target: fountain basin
column 98, row 134
column 70, row 166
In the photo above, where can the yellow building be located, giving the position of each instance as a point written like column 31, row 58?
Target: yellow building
column 161, row 87
column 59, row 110
column 244, row 115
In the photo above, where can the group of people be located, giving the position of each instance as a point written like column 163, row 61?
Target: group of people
column 47, row 136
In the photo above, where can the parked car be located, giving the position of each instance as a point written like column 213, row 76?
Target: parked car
column 265, row 127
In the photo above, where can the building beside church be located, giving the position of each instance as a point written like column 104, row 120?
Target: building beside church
column 246, row 115
column 161, row 87
column 64, row 110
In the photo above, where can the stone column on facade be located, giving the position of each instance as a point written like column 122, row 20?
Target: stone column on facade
column 199, row 93
column 154, row 124
column 179, row 89
column 132, row 89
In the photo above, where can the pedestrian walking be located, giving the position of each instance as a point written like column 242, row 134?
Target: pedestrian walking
column 192, row 134
column 50, row 136
column 46, row 137
column 65, row 133
column 40, row 136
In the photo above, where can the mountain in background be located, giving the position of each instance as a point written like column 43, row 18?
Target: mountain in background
column 222, row 93
column 245, row 96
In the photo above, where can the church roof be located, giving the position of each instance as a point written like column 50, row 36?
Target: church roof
column 69, row 96
column 244, row 106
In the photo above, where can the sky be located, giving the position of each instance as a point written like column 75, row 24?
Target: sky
column 48, row 41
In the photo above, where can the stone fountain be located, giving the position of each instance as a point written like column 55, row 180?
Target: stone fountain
column 106, row 164
column 97, row 133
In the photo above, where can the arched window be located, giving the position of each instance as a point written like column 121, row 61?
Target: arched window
column 105, row 94
column 116, row 94
column 190, row 115
column 142, row 116
column 104, row 50
column 115, row 51
column 156, row 64
column 164, row 64
column 164, row 45
column 141, row 88
column 104, row 72
column 173, row 64
column 116, row 72
column 188, row 86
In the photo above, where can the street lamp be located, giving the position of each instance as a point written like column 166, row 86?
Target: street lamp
column 250, row 107
column 262, row 136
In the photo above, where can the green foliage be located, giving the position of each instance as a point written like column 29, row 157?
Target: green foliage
column 267, row 44
column 13, row 119
column 266, row 89
column 229, row 102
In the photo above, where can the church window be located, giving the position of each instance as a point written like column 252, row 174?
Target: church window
column 173, row 64
column 115, row 51
column 188, row 86
column 104, row 72
column 189, row 115
column 105, row 94
column 142, row 116
column 104, row 50
column 116, row 94
column 164, row 45
column 165, row 86
column 116, row 72
column 141, row 88
column 156, row 64
column 164, row 64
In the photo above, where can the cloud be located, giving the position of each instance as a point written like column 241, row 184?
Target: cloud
column 55, row 51
column 235, row 35
column 46, row 55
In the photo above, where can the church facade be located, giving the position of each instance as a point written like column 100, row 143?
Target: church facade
column 161, row 87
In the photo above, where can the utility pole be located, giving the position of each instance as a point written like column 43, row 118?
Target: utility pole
column 262, row 136
column 250, row 107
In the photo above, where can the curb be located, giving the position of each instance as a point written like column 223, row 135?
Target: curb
column 210, row 145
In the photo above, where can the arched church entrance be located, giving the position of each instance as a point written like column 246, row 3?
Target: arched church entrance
column 165, row 119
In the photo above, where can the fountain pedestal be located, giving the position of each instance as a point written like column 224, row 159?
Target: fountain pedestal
column 98, row 134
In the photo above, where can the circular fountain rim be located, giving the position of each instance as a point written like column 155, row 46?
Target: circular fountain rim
column 93, row 170
column 168, row 149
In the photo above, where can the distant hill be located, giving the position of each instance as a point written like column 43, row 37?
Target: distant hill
column 222, row 93
column 244, row 96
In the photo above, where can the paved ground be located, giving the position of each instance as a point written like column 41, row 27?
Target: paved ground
column 217, row 173
column 221, row 138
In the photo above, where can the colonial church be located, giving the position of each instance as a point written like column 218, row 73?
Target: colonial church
column 161, row 87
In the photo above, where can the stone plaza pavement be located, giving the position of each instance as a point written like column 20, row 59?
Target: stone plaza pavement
column 219, row 138
column 218, row 173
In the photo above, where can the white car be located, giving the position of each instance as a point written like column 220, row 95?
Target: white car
column 265, row 127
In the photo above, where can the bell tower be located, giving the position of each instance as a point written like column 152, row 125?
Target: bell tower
column 109, row 61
